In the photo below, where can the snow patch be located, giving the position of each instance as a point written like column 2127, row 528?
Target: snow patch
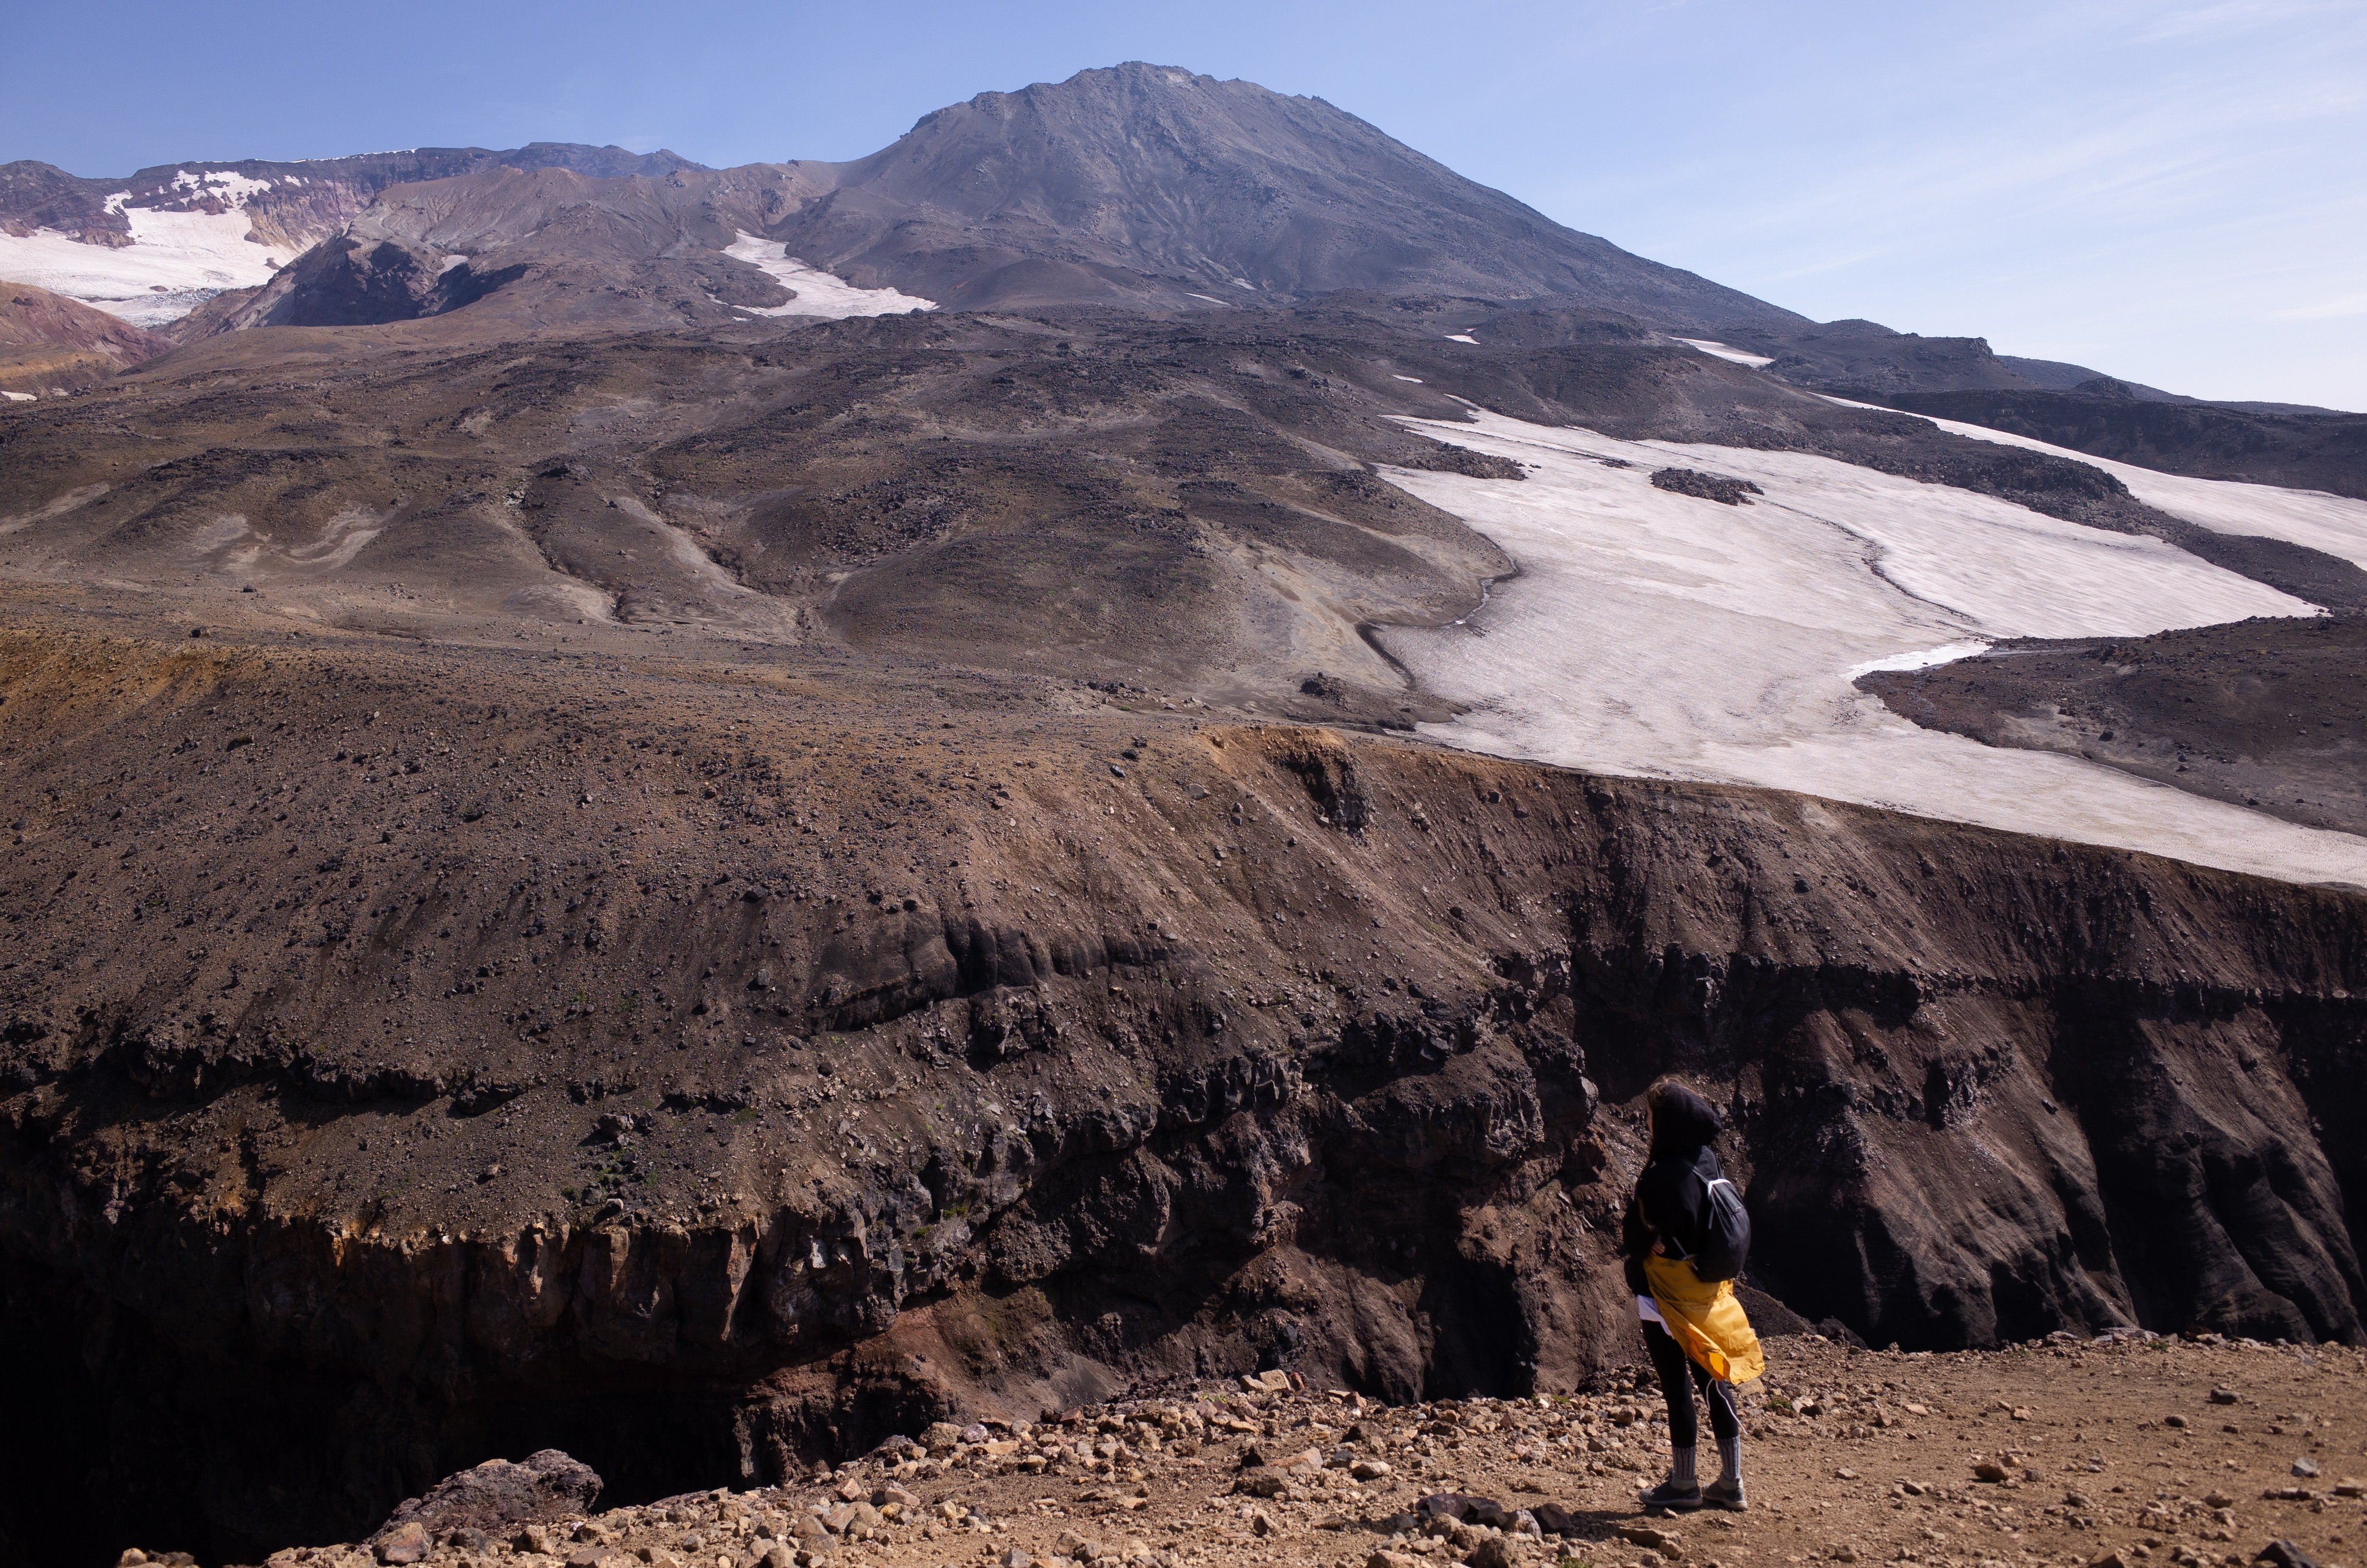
column 1210, row 298
column 1415, row 379
column 1732, row 355
column 818, row 293
column 1919, row 659
column 175, row 262
column 1656, row 634
column 2334, row 524
column 18, row 397
column 228, row 185
column 448, row 263
column 1462, row 337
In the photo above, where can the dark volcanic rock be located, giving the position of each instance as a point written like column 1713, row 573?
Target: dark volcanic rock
column 542, row 1486
column 1719, row 487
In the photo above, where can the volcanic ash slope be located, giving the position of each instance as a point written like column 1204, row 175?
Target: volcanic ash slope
column 1657, row 633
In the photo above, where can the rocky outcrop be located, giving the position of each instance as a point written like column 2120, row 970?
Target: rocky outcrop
column 704, row 1108
column 480, row 1503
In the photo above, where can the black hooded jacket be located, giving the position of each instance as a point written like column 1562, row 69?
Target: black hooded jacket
column 1671, row 1205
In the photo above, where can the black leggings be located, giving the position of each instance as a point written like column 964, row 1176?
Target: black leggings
column 1670, row 1361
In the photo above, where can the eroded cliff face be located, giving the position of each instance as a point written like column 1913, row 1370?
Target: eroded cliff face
column 413, row 1057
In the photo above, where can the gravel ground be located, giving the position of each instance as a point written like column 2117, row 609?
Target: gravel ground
column 2114, row 1452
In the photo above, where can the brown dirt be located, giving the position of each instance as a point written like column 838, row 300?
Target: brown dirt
column 2101, row 1451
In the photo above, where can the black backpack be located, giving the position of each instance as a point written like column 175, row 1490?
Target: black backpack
column 1726, row 1234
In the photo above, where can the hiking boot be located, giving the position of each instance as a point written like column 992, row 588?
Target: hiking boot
column 1670, row 1498
column 1726, row 1491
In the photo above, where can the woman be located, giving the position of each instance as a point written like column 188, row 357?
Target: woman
column 1694, row 1330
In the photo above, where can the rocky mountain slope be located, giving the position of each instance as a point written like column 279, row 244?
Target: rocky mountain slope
column 51, row 345
column 157, row 244
column 711, row 1064
column 1148, row 184
column 597, row 862
column 1139, row 185
column 294, row 202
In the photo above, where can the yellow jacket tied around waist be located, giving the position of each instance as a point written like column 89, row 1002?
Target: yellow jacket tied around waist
column 1705, row 1320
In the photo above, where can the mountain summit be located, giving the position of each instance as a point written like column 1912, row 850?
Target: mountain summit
column 1146, row 180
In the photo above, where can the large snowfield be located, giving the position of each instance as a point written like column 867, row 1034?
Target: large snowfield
column 818, row 293
column 1658, row 634
column 175, row 262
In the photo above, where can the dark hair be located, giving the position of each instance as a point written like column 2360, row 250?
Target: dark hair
column 1682, row 1120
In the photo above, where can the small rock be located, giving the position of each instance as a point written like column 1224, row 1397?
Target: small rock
column 1661, row 1542
column 2176, row 1421
column 2110, row 1559
column 2222, row 1396
column 1261, row 1524
column 1383, row 1558
column 1496, row 1551
column 1369, row 1469
column 1262, row 1481
column 132, row 1558
column 1844, row 1475
column 1988, row 1470
column 406, row 1542
column 1553, row 1518
column 1014, row 1558
column 2305, row 1467
column 2216, row 1499
column 2348, row 1488
column 2284, row 1554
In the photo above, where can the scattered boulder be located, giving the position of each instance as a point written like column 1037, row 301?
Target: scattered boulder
column 493, row 1497
column 1719, row 487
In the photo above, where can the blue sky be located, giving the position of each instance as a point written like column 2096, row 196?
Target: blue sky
column 2175, row 191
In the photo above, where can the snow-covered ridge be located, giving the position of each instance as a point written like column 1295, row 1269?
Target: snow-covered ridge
column 175, row 262
column 1662, row 635
column 2334, row 524
column 818, row 293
